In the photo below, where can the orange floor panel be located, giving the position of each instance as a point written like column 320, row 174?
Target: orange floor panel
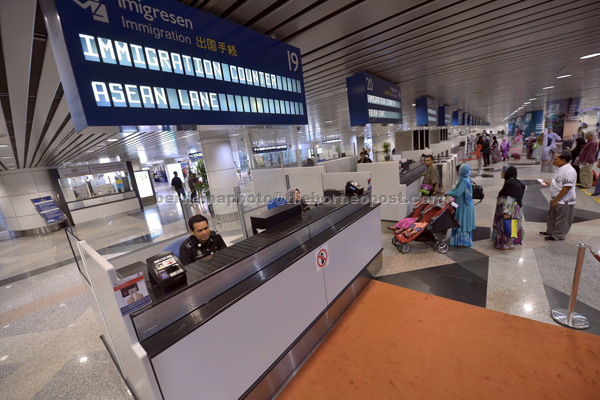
column 395, row 343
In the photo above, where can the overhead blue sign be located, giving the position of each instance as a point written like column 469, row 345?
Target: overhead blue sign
column 427, row 112
column 160, row 62
column 48, row 209
column 372, row 100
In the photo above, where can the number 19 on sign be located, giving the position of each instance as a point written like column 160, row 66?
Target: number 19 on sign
column 293, row 59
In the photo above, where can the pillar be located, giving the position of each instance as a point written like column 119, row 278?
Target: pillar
column 222, row 177
column 17, row 189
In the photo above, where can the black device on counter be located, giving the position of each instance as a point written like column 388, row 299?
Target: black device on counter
column 353, row 189
column 166, row 271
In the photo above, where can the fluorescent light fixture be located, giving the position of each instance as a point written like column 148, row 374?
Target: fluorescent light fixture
column 6, row 157
column 563, row 76
column 540, row 94
column 9, row 164
column 589, row 56
column 328, row 122
column 535, row 98
column 111, row 140
column 527, row 102
column 3, row 145
column 547, row 87
column 412, row 105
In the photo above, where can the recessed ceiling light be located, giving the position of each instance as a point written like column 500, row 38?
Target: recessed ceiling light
column 111, row 140
column 547, row 87
column 535, row 98
column 563, row 76
column 589, row 56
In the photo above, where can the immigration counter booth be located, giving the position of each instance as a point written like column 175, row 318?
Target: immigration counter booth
column 242, row 320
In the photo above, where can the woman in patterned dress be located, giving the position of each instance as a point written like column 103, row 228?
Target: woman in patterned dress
column 509, row 214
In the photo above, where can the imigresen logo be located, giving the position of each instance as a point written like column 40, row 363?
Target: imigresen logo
column 98, row 10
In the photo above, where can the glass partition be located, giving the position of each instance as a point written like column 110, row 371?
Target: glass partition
column 72, row 239
column 95, row 185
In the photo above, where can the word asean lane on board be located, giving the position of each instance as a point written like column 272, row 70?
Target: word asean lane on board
column 160, row 62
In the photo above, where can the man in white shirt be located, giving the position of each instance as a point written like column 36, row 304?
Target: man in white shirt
column 549, row 143
column 562, row 205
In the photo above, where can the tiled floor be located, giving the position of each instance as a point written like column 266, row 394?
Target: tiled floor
column 529, row 281
column 50, row 346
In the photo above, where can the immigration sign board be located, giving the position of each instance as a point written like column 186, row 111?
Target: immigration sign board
column 160, row 62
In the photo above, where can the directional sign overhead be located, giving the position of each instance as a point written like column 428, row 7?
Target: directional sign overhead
column 160, row 62
column 372, row 100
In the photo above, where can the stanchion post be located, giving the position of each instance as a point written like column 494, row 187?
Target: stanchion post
column 569, row 317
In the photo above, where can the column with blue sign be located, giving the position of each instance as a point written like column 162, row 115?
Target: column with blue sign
column 427, row 112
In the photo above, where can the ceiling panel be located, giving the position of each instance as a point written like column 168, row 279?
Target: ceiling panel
column 485, row 57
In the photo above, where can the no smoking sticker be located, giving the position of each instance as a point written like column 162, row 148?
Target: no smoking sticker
column 322, row 257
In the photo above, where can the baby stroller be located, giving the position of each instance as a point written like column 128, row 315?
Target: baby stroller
column 431, row 224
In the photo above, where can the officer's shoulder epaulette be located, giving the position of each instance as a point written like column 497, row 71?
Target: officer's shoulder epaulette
column 191, row 242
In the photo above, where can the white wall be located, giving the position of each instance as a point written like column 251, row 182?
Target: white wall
column 268, row 181
column 308, row 179
column 346, row 164
column 16, row 191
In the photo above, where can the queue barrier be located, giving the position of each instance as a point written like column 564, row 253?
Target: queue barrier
column 569, row 317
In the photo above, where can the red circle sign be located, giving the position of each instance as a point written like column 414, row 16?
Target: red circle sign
column 322, row 258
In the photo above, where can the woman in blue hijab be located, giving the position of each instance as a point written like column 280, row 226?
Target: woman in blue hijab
column 465, row 213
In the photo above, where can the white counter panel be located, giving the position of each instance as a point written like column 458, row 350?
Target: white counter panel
column 224, row 357
column 105, row 210
column 349, row 253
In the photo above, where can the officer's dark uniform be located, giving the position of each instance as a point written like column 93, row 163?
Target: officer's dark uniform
column 191, row 249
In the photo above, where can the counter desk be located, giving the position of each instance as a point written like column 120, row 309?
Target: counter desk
column 249, row 315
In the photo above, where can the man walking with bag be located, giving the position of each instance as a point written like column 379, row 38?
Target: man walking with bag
column 562, row 204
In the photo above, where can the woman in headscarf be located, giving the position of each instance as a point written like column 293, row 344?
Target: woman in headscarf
column 505, row 148
column 507, row 229
column 293, row 196
column 465, row 213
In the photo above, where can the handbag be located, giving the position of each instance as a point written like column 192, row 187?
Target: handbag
column 426, row 189
column 510, row 228
column 478, row 192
